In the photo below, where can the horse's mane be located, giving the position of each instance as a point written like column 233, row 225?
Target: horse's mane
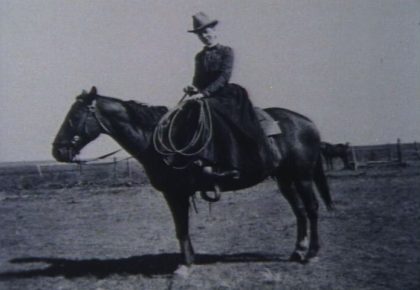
column 145, row 115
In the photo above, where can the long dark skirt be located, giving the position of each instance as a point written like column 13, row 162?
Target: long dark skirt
column 237, row 140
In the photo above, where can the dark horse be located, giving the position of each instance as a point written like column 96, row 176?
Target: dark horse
column 332, row 151
column 300, row 168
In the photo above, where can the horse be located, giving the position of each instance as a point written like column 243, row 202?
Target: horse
column 332, row 151
column 300, row 166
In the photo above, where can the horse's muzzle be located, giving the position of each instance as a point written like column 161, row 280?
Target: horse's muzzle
column 63, row 154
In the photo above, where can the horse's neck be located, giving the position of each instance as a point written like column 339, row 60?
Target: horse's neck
column 125, row 128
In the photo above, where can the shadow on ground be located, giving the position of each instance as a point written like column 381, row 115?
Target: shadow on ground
column 147, row 265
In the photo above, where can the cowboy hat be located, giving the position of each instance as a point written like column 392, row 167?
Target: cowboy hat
column 202, row 21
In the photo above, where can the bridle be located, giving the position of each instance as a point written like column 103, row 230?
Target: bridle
column 89, row 110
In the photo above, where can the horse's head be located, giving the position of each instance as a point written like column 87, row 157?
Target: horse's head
column 78, row 129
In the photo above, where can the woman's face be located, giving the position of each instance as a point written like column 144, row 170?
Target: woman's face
column 208, row 36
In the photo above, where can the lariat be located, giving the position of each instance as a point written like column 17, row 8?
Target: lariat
column 164, row 138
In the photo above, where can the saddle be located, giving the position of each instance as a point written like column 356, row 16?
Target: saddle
column 271, row 129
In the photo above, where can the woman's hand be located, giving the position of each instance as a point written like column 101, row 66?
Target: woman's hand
column 190, row 90
column 197, row 96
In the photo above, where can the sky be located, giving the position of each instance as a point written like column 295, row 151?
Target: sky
column 352, row 66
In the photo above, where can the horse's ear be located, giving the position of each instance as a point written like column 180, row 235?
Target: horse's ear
column 93, row 91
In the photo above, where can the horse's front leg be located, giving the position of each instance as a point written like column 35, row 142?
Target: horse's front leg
column 179, row 206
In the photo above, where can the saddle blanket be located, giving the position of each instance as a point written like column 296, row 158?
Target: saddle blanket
column 271, row 129
column 267, row 123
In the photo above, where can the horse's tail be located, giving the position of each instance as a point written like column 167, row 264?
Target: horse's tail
column 322, row 185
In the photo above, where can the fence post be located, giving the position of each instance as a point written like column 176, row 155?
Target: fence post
column 38, row 166
column 399, row 153
column 354, row 157
column 115, row 168
column 416, row 149
column 129, row 168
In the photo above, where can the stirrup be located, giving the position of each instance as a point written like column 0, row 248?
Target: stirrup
column 208, row 198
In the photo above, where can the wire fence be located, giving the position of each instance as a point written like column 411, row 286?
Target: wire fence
column 397, row 153
column 128, row 171
column 109, row 171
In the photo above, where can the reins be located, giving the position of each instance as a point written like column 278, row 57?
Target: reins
column 97, row 158
column 94, row 111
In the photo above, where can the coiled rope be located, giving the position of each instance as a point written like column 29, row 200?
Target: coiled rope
column 164, row 139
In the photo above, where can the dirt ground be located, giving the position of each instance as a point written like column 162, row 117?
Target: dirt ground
column 96, row 237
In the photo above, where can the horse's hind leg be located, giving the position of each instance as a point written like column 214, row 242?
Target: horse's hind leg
column 306, row 192
column 289, row 192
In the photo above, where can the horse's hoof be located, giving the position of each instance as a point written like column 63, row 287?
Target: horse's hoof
column 297, row 257
column 310, row 260
column 183, row 271
column 312, row 255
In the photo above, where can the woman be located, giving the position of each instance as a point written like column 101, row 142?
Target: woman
column 237, row 148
